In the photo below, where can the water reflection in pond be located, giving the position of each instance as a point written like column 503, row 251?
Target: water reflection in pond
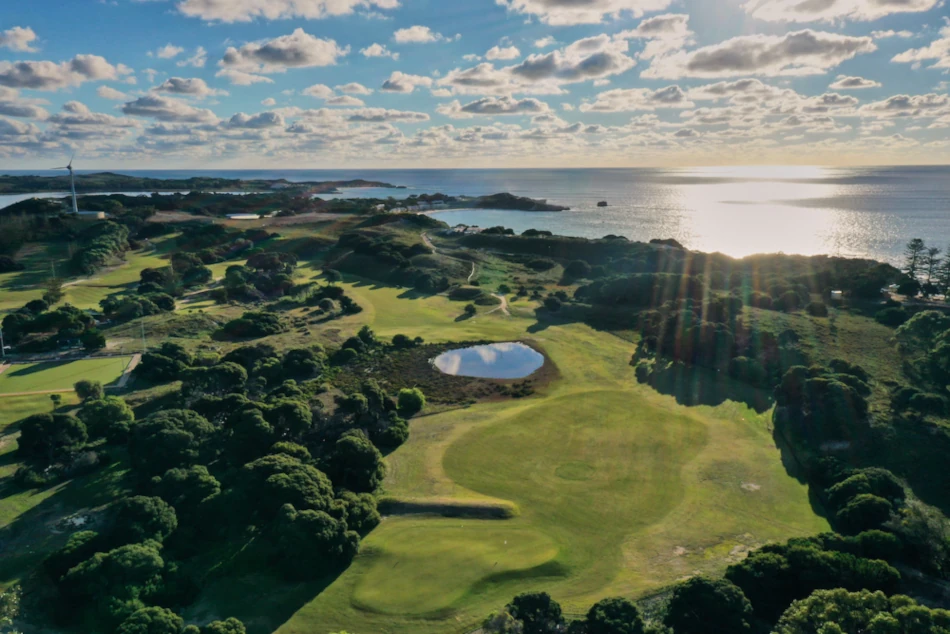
column 495, row 361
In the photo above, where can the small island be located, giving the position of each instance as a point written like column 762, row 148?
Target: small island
column 517, row 203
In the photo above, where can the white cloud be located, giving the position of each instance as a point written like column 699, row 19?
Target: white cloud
column 664, row 33
column 883, row 35
column 545, row 42
column 297, row 50
column 10, row 128
column 13, row 105
column 566, row 12
column 635, row 99
column 346, row 101
column 418, row 35
column 269, row 102
column 318, row 91
column 259, row 121
column 198, row 60
column 401, row 82
column 169, row 51
column 75, row 113
column 111, row 93
column 354, row 88
column 18, row 39
column 844, row 82
column 240, row 78
column 378, row 50
column 829, row 10
column 192, row 87
column 798, row 53
column 492, row 106
column 506, row 53
column 381, row 115
column 54, row 76
column 908, row 106
column 167, row 109
column 247, row 10
column 939, row 50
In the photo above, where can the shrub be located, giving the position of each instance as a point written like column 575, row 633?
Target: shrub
column 817, row 309
column 708, row 606
column 892, row 317
column 411, row 402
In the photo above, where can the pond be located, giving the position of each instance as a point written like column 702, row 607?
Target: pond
column 509, row 360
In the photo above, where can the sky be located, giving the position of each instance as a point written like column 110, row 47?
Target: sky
column 199, row 84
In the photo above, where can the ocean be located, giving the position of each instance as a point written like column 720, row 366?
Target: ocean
column 868, row 212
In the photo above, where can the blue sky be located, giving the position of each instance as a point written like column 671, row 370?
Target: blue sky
column 473, row 83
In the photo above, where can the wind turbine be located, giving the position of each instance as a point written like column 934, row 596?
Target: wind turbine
column 72, row 182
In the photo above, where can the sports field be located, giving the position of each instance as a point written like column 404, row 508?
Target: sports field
column 51, row 376
column 619, row 491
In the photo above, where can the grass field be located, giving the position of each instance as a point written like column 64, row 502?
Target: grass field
column 49, row 376
column 619, row 491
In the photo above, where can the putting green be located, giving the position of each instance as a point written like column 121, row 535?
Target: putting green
column 439, row 562
column 44, row 377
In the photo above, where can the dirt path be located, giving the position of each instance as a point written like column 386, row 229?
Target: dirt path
column 503, row 307
column 428, row 242
column 136, row 359
column 3, row 367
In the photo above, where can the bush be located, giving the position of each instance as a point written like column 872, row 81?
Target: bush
column 411, row 402
column 552, row 304
column 864, row 512
column 892, row 317
column 817, row 309
column 708, row 606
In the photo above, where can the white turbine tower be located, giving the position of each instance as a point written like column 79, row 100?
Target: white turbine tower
column 72, row 182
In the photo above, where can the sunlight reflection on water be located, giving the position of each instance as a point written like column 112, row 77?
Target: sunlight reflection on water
column 495, row 361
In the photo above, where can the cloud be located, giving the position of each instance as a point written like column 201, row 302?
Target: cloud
column 111, row 93
column 908, row 106
column 167, row 109
column 318, row 91
column 798, row 53
column 545, row 42
column 18, row 39
column 240, row 78
column 740, row 91
column 75, row 113
column 635, row 99
column 345, row 101
column 883, row 35
column 378, row 50
column 198, row 60
column 269, row 102
column 830, row 10
column 567, row 12
column 192, row 87
column 938, row 50
column 401, row 82
column 259, row 121
column 54, row 76
column 247, row 10
column 492, row 106
column 506, row 53
column 844, row 82
column 297, row 50
column 11, row 128
column 354, row 88
column 664, row 33
column 169, row 51
column 381, row 115
column 418, row 35
column 13, row 105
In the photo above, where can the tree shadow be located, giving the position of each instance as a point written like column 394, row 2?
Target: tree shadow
column 692, row 386
column 39, row 367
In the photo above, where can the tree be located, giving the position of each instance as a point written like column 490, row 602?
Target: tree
column 356, row 464
column 186, row 488
column 89, row 390
column 913, row 257
column 839, row 611
column 312, row 542
column 278, row 479
column 141, row 518
column 614, row 616
column 576, row 270
column 708, row 606
column 228, row 626
column 290, row 419
column 411, row 402
column 864, row 512
column 538, row 613
column 51, row 437
column 152, row 620
column 109, row 417
column 302, row 363
column 157, row 368
column 56, row 400
column 93, row 340
column 168, row 439
column 224, row 378
column 931, row 263
column 54, row 291
column 552, row 304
